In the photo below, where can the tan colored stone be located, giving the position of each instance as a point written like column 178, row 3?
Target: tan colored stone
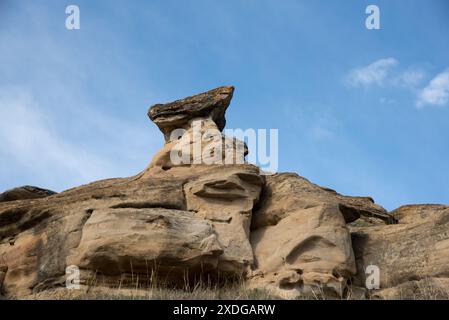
column 300, row 239
column 172, row 243
column 201, row 143
column 39, row 238
column 415, row 248
column 226, row 196
column 183, row 222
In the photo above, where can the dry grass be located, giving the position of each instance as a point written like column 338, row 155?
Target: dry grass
column 419, row 290
column 236, row 292
column 429, row 289
column 151, row 287
column 131, row 288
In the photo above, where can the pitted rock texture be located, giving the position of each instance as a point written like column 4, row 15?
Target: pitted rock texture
column 195, row 221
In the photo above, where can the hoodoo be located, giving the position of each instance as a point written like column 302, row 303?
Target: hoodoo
column 192, row 221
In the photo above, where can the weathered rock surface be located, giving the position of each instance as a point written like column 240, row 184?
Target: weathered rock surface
column 192, row 130
column 178, row 114
column 123, row 241
column 136, row 225
column 25, row 192
column 413, row 250
column 205, row 218
column 299, row 236
column 201, row 143
column 226, row 198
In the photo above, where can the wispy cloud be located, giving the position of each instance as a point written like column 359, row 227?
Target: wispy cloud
column 381, row 73
column 29, row 140
column 409, row 78
column 436, row 92
column 61, row 124
column 36, row 150
column 372, row 74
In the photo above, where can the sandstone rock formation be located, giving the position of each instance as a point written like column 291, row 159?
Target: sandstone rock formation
column 25, row 192
column 203, row 218
column 413, row 250
column 300, row 238
column 192, row 131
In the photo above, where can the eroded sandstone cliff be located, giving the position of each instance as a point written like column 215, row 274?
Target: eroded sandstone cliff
column 192, row 222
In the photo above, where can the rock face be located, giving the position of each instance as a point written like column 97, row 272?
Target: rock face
column 413, row 250
column 204, row 218
column 25, row 192
column 226, row 198
column 135, row 226
column 300, row 238
column 125, row 240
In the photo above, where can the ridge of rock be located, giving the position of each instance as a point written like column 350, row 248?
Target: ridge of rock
column 193, row 222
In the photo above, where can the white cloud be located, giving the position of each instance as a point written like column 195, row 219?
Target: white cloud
column 35, row 149
column 436, row 92
column 410, row 78
column 373, row 74
column 60, row 123
column 29, row 143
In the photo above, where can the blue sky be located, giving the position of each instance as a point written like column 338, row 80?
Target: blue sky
column 365, row 112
